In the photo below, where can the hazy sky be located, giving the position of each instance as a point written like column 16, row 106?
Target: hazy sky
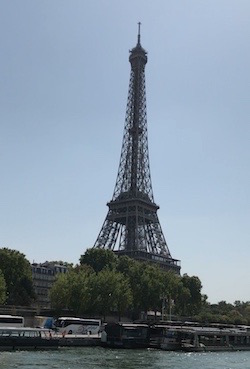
column 64, row 76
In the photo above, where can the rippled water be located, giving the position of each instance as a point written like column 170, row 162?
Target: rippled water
column 99, row 358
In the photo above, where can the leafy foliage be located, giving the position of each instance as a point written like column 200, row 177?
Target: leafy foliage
column 70, row 290
column 99, row 259
column 223, row 312
column 110, row 292
column 2, row 288
column 104, row 283
column 18, row 277
column 189, row 300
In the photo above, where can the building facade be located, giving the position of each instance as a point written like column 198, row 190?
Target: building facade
column 43, row 276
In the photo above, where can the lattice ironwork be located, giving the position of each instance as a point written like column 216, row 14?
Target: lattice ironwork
column 132, row 226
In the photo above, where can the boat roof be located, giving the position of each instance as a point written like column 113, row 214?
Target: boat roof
column 77, row 319
column 10, row 316
column 204, row 329
column 212, row 330
column 129, row 325
column 23, row 329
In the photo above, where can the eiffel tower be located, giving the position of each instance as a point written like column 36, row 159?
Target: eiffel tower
column 132, row 226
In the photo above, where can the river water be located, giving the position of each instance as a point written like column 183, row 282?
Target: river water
column 100, row 358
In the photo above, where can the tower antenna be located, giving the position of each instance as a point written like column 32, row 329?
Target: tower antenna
column 139, row 34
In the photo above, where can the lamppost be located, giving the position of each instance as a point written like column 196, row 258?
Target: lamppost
column 170, row 307
column 163, row 305
column 166, row 299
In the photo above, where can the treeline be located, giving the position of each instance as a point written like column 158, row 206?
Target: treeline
column 225, row 313
column 104, row 283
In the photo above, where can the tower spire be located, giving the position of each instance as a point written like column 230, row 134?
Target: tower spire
column 132, row 226
column 139, row 34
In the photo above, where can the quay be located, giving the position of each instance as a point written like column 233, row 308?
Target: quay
column 169, row 336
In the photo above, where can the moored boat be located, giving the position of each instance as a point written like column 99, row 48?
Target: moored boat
column 126, row 335
column 188, row 337
column 215, row 339
column 26, row 339
column 165, row 337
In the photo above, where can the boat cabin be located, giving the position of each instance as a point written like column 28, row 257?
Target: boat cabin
column 126, row 335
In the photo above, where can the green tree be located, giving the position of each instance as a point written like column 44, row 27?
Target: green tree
column 171, row 282
column 193, row 300
column 2, row 288
column 18, row 277
column 223, row 307
column 151, row 288
column 59, row 293
column 135, row 277
column 70, row 291
column 146, row 284
column 182, row 300
column 172, row 285
column 236, row 317
column 109, row 291
column 125, row 264
column 223, row 312
column 247, row 313
column 99, row 259
column 124, row 297
column 149, row 284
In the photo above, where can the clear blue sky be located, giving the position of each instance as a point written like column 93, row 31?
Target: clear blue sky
column 64, row 74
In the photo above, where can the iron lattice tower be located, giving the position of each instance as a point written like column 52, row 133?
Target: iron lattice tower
column 132, row 226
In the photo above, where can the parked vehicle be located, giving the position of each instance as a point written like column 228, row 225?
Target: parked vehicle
column 43, row 322
column 69, row 325
column 11, row 321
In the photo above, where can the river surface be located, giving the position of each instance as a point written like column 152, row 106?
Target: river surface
column 100, row 358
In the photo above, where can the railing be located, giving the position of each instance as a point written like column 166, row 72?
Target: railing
column 138, row 254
